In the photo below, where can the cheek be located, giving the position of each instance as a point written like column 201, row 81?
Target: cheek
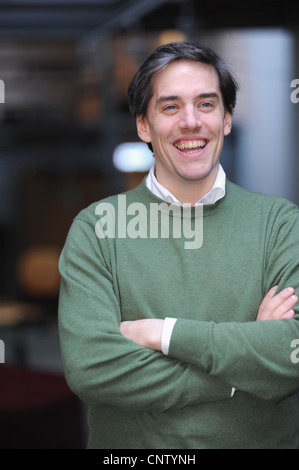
column 159, row 136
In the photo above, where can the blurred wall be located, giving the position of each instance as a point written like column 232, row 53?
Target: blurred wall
column 262, row 60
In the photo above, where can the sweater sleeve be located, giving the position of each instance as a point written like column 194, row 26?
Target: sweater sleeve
column 101, row 366
column 253, row 356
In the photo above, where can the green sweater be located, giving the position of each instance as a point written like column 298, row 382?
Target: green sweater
column 140, row 398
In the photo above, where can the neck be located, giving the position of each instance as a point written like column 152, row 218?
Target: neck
column 189, row 191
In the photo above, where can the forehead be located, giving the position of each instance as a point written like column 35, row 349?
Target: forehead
column 186, row 76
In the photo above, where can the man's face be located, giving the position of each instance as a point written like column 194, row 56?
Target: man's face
column 186, row 123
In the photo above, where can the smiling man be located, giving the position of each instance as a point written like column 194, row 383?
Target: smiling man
column 186, row 123
column 176, row 348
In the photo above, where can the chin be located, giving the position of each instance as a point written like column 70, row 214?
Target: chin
column 194, row 175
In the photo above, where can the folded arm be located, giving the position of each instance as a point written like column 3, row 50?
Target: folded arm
column 149, row 332
column 241, row 353
column 102, row 366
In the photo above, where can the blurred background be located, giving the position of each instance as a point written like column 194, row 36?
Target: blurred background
column 65, row 66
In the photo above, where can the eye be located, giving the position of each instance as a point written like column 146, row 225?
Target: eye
column 207, row 106
column 170, row 108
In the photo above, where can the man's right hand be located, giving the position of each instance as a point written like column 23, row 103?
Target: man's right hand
column 276, row 307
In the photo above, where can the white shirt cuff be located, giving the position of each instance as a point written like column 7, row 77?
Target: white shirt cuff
column 166, row 337
column 166, row 334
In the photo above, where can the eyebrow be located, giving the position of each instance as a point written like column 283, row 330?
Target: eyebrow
column 163, row 99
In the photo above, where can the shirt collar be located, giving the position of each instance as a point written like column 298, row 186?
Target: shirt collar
column 217, row 192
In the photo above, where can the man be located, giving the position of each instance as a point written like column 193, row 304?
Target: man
column 177, row 346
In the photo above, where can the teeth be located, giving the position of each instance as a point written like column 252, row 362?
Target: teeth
column 187, row 144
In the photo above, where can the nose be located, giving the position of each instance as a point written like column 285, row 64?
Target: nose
column 190, row 118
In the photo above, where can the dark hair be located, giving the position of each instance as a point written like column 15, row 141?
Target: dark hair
column 141, row 91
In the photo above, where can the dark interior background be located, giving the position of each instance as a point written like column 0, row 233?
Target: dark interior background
column 65, row 66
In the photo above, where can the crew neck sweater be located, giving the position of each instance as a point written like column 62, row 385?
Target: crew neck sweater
column 141, row 399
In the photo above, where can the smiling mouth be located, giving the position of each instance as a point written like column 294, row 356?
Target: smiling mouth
column 190, row 146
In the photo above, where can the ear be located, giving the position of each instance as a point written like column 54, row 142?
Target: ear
column 227, row 123
column 142, row 129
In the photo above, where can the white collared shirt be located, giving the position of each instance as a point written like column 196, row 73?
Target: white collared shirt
column 217, row 192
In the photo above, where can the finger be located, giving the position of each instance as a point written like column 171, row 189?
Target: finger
column 278, row 299
column 289, row 314
column 278, row 304
column 285, row 307
column 268, row 297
